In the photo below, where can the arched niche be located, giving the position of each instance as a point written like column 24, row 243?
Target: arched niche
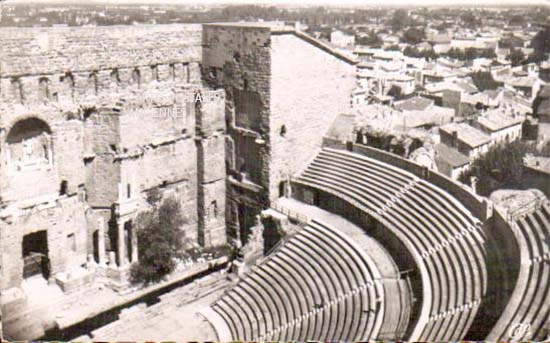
column 29, row 145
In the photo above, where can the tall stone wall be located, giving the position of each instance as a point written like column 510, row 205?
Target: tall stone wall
column 117, row 111
column 237, row 58
column 310, row 87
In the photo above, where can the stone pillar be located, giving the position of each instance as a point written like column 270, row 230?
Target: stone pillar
column 473, row 181
column 112, row 259
column 101, row 241
column 134, row 244
column 121, row 246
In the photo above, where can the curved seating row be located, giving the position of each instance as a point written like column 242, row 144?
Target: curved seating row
column 525, row 315
column 445, row 239
column 318, row 285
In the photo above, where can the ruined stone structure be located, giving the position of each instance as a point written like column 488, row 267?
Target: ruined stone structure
column 229, row 119
column 92, row 120
column 284, row 89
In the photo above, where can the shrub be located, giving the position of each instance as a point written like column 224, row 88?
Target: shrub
column 160, row 242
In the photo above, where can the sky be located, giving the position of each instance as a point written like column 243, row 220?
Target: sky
column 358, row 3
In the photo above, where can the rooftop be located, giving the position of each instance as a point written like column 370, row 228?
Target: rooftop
column 450, row 156
column 496, row 120
column 538, row 163
column 467, row 134
column 416, row 103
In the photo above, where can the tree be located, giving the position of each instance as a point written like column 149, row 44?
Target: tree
column 470, row 20
column 412, row 51
column 371, row 40
column 516, row 56
column 394, row 47
column 484, row 80
column 470, row 54
column 517, row 20
column 456, row 54
column 399, row 20
column 541, row 44
column 414, row 36
column 502, row 166
column 160, row 242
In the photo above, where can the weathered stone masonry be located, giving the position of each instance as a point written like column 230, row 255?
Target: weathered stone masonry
column 91, row 121
column 284, row 89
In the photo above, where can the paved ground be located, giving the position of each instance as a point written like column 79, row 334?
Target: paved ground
column 48, row 307
column 174, row 318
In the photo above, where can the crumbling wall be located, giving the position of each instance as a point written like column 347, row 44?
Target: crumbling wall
column 78, row 62
column 60, row 218
column 119, row 104
column 211, row 172
column 237, row 59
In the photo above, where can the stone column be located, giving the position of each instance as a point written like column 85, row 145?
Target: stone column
column 101, row 241
column 121, row 246
column 134, row 244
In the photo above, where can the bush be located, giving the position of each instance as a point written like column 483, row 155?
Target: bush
column 160, row 242
column 502, row 166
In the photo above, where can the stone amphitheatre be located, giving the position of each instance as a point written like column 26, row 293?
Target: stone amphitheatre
column 338, row 241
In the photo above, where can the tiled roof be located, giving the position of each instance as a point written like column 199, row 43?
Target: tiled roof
column 450, row 156
column 469, row 135
column 496, row 120
column 416, row 103
column 527, row 81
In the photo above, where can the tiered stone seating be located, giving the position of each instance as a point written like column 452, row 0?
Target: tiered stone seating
column 529, row 307
column 318, row 285
column 445, row 239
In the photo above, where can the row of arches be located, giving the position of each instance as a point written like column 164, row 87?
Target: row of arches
column 50, row 89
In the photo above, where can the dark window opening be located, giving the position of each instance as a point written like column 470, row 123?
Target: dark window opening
column 95, row 238
column 236, row 57
column 283, row 131
column 214, row 208
column 63, row 188
column 282, row 188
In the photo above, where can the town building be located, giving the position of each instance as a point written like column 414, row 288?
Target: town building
column 468, row 140
column 502, row 128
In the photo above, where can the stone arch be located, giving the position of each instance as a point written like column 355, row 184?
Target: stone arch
column 68, row 85
column 136, row 77
column 17, row 90
column 44, row 88
column 93, row 83
column 29, row 143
